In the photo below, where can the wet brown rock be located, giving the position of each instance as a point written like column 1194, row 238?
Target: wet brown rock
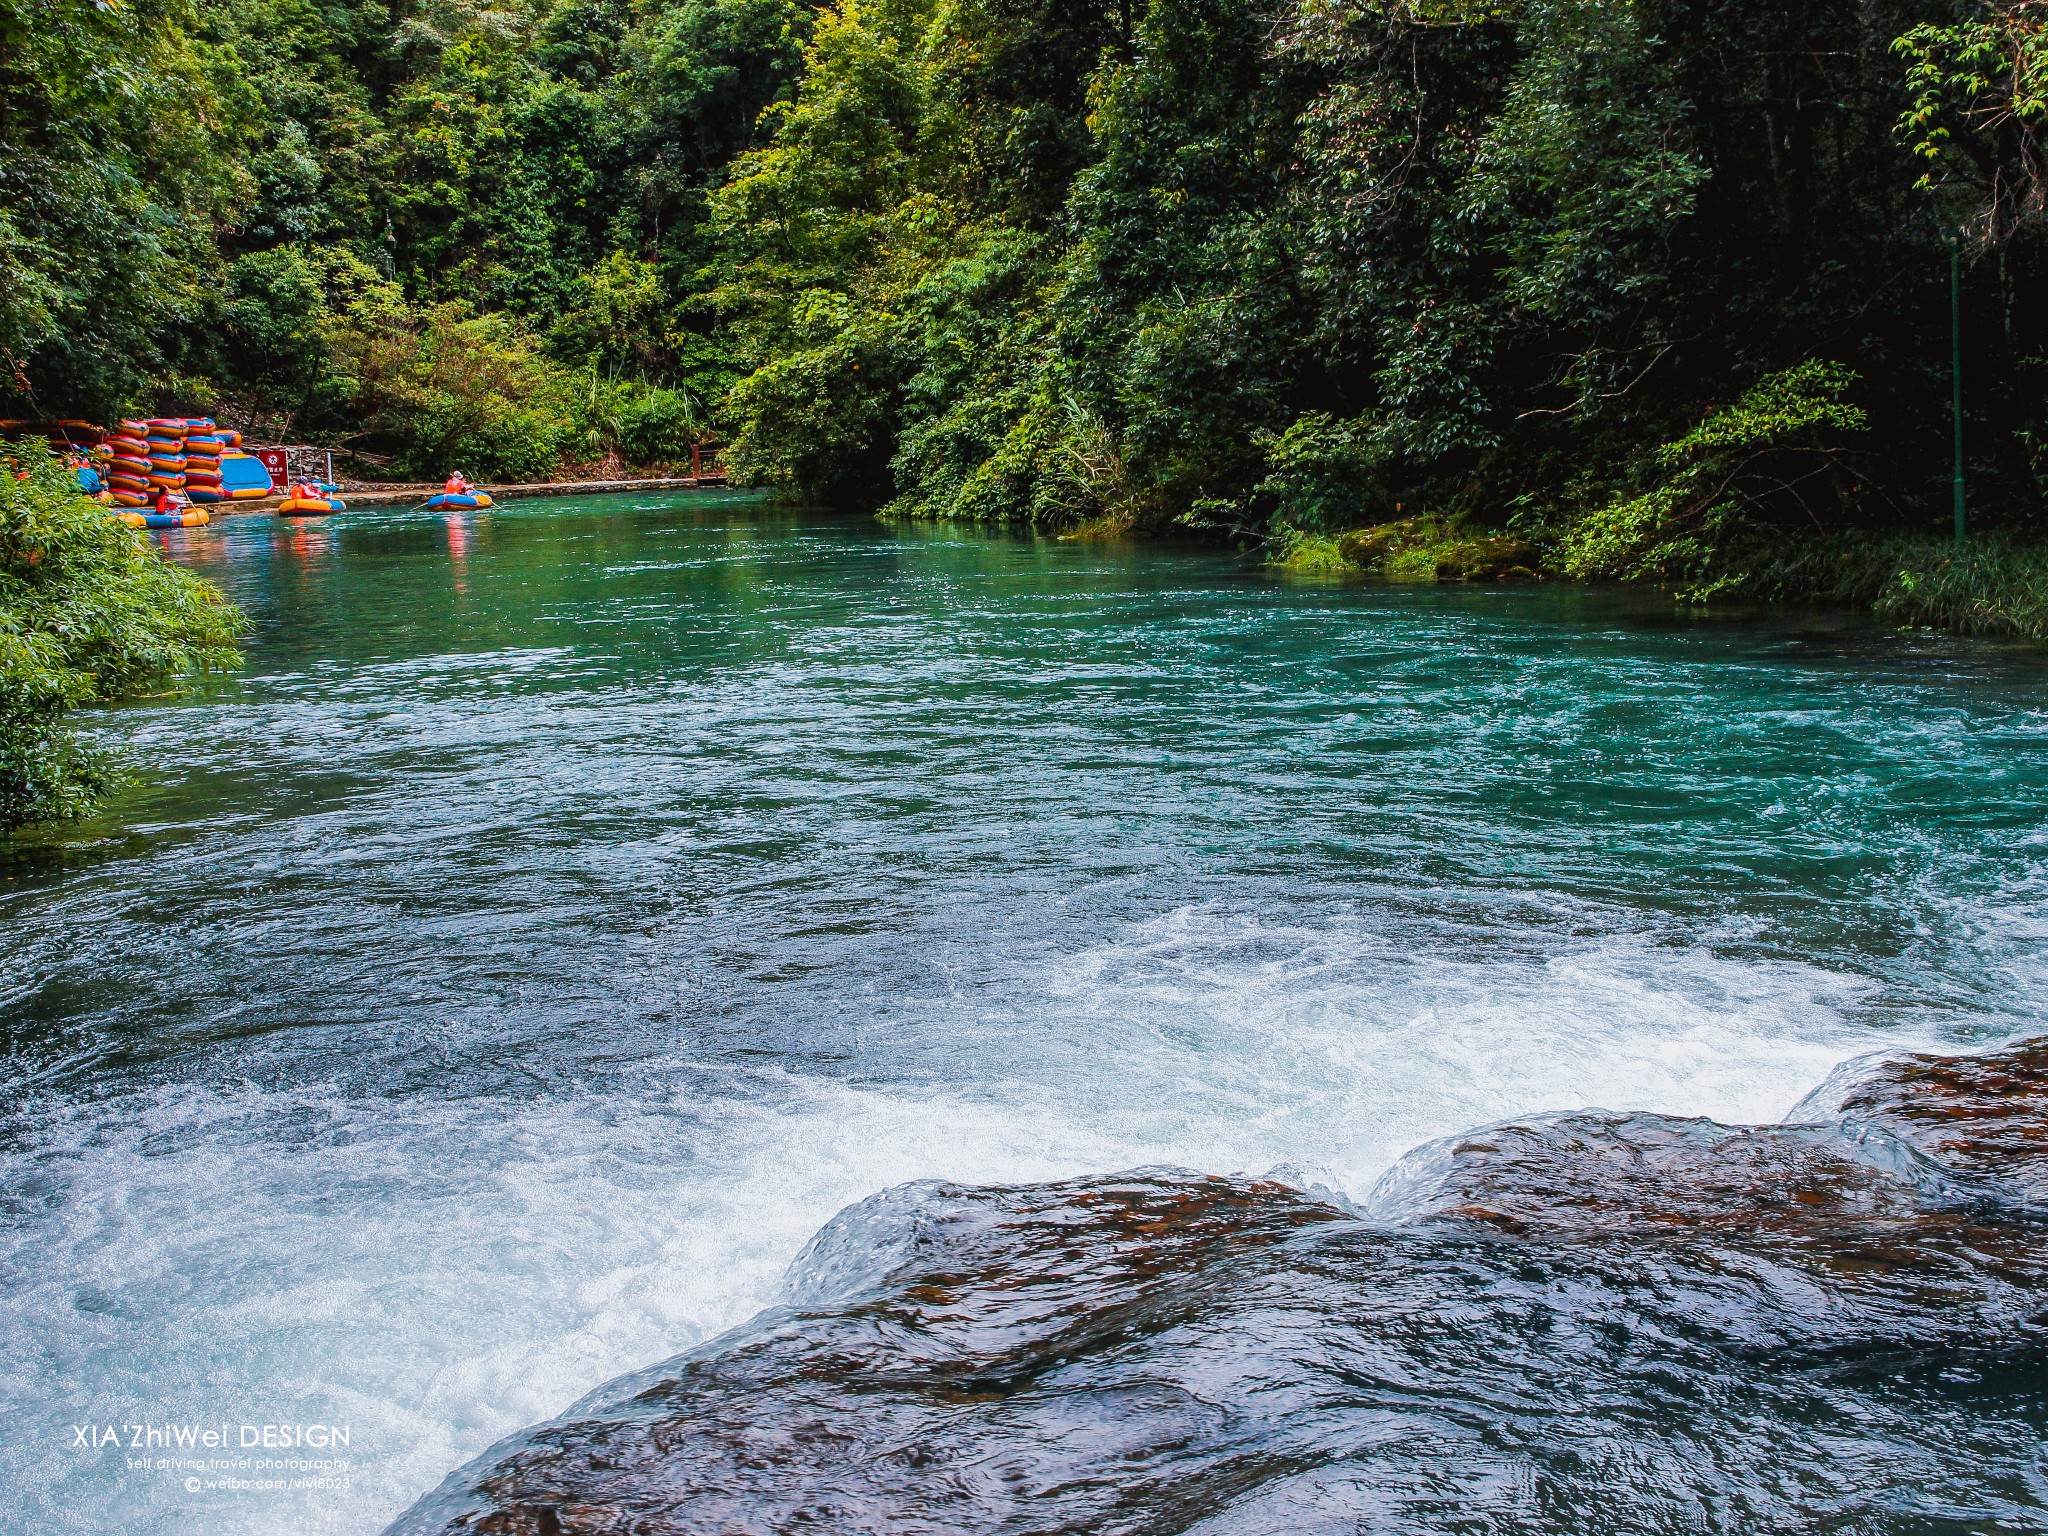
column 1594, row 1321
column 1984, row 1115
column 1647, row 1174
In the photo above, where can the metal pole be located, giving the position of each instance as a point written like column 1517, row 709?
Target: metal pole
column 1955, row 364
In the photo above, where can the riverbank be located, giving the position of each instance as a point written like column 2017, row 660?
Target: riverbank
column 1987, row 586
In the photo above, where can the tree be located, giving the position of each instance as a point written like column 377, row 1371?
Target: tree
column 89, row 614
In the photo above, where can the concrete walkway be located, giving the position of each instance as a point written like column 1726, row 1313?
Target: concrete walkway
column 392, row 495
column 403, row 495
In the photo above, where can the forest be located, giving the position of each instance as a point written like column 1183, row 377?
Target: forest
column 1655, row 290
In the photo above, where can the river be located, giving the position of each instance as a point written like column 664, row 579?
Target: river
column 571, row 907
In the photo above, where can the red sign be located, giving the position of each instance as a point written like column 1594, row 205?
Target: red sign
column 274, row 461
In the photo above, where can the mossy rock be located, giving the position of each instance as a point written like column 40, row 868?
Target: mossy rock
column 1419, row 549
column 1499, row 557
column 1368, row 547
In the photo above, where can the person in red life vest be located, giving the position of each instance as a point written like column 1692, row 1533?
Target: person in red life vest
column 165, row 502
column 456, row 484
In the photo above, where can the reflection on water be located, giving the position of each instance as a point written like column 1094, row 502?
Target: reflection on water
column 305, row 540
column 458, row 549
column 483, row 999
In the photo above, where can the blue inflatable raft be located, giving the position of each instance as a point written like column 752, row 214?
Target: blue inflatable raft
column 446, row 500
column 242, row 476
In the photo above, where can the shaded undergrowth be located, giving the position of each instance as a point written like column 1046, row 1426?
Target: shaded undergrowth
column 1984, row 586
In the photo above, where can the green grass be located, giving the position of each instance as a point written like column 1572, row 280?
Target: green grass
column 1312, row 554
column 1986, row 586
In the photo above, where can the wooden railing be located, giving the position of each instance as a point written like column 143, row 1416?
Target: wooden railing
column 707, row 461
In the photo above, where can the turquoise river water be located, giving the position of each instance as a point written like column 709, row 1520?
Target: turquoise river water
column 570, row 908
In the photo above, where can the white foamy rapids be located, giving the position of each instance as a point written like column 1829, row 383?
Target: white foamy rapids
column 1339, row 1048
column 433, row 1276
column 436, row 1274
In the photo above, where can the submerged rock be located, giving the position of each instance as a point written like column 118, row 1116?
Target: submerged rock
column 1564, row 1324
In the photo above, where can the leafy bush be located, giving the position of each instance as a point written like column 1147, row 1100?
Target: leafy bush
column 1978, row 122
column 657, row 426
column 1739, row 468
column 442, row 389
column 1323, row 475
column 89, row 613
column 111, row 188
column 619, row 319
column 275, row 339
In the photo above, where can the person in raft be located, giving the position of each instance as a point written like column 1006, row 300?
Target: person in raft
column 456, row 484
column 167, row 502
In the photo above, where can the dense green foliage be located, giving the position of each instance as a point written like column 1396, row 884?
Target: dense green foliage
column 1658, row 285
column 89, row 613
column 1712, row 481
column 438, row 233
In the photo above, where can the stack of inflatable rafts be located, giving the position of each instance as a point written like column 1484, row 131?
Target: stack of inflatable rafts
column 188, row 454
column 143, row 460
column 204, row 445
column 126, row 457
